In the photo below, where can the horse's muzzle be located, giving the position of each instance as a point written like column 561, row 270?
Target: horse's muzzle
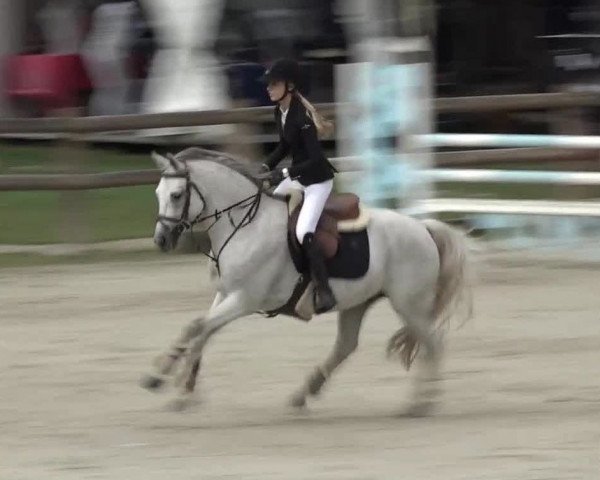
column 166, row 239
column 162, row 241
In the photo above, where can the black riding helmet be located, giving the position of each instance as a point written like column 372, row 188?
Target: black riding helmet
column 287, row 71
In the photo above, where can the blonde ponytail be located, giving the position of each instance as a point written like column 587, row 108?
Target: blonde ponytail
column 324, row 127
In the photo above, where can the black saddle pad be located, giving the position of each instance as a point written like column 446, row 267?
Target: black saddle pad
column 350, row 262
column 352, row 258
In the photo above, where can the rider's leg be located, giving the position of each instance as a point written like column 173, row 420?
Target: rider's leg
column 315, row 197
column 286, row 187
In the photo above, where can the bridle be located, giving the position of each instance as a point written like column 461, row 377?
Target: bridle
column 177, row 225
column 181, row 223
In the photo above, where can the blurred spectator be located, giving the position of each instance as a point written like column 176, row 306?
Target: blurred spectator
column 60, row 23
column 131, row 46
column 140, row 48
column 264, row 30
column 48, row 78
column 105, row 57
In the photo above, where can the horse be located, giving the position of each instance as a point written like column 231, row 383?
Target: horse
column 420, row 266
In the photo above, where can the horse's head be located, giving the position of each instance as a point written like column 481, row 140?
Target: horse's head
column 179, row 201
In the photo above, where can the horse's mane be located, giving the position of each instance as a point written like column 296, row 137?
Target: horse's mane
column 244, row 168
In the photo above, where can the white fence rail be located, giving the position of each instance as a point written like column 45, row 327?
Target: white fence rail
column 511, row 176
column 518, row 207
column 502, row 140
column 508, row 207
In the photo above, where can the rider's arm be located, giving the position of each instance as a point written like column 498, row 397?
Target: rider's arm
column 308, row 135
column 278, row 154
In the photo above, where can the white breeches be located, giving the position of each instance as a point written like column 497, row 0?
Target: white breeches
column 315, row 197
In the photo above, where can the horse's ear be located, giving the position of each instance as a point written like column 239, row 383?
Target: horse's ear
column 178, row 165
column 161, row 162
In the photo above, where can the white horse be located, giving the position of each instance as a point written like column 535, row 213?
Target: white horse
column 420, row 266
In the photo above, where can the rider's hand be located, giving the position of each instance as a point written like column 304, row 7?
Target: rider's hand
column 274, row 177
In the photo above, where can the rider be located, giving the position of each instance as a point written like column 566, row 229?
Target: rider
column 299, row 126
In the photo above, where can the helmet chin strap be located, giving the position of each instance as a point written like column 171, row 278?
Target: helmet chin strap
column 288, row 91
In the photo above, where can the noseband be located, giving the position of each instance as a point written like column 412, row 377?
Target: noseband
column 178, row 225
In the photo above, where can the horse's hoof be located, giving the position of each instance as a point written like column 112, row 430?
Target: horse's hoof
column 298, row 401
column 181, row 404
column 152, row 382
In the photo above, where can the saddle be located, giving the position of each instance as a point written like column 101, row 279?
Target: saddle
column 341, row 235
column 342, row 214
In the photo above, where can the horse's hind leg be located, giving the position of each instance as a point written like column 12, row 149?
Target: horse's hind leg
column 349, row 323
column 418, row 332
column 428, row 376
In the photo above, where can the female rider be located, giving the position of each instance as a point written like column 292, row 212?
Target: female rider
column 299, row 126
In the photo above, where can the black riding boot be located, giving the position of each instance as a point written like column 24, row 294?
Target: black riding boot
column 324, row 298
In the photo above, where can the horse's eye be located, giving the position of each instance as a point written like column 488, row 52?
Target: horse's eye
column 176, row 196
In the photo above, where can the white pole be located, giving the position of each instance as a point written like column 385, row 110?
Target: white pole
column 511, row 176
column 502, row 140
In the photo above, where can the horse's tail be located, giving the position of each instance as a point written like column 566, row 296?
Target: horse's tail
column 453, row 294
column 453, row 291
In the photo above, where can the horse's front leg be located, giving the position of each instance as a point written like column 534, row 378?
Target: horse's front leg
column 189, row 377
column 230, row 308
column 165, row 363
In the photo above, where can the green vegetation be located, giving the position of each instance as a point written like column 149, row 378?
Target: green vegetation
column 48, row 217
column 17, row 260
